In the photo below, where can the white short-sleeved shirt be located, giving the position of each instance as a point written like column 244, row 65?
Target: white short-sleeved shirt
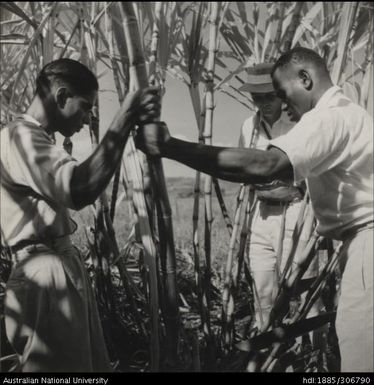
column 259, row 139
column 35, row 184
column 332, row 148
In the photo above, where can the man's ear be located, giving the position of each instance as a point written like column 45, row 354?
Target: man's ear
column 61, row 95
column 306, row 79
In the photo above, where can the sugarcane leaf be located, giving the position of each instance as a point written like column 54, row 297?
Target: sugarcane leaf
column 307, row 20
column 239, row 69
column 14, row 39
column 31, row 46
column 247, row 26
column 15, row 9
column 362, row 24
column 362, row 42
column 73, row 32
column 287, row 19
column 102, row 12
column 266, row 41
column 346, row 21
column 367, row 89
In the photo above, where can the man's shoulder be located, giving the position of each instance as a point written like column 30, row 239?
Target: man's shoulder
column 22, row 128
column 319, row 115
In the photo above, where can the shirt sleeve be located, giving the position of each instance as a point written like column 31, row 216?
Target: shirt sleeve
column 315, row 144
column 44, row 167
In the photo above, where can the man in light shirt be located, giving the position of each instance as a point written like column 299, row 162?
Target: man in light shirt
column 51, row 316
column 331, row 147
column 279, row 204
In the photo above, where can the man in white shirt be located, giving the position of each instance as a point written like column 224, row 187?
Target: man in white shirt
column 51, row 316
column 331, row 147
column 278, row 206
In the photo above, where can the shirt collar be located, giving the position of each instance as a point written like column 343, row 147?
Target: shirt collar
column 282, row 119
column 327, row 96
column 30, row 119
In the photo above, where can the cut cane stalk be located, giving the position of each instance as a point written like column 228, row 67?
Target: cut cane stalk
column 139, row 79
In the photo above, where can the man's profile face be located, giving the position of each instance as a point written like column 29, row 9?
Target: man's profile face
column 291, row 91
column 269, row 105
column 75, row 113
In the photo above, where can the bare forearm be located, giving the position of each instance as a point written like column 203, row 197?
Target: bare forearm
column 232, row 164
column 92, row 176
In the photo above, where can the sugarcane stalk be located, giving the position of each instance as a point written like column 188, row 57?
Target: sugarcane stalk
column 295, row 238
column 229, row 287
column 102, row 276
column 252, row 201
column 348, row 14
column 120, row 93
column 200, row 118
column 276, row 45
column 148, row 193
column 152, row 80
column 207, row 134
column 126, row 278
column 227, row 297
column 290, row 33
column 281, row 335
column 143, row 229
column 304, row 308
column 133, row 163
column 222, row 205
column 113, row 198
column 106, row 240
column 228, row 269
column 320, row 282
column 285, row 332
column 139, row 79
column 145, row 233
column 199, row 111
column 280, row 242
column 285, row 292
column 196, row 352
column 203, row 308
column 250, row 206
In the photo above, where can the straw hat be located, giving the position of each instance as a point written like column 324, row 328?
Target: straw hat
column 259, row 79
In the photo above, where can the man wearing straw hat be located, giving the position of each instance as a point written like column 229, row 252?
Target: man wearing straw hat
column 331, row 147
column 278, row 204
column 51, row 317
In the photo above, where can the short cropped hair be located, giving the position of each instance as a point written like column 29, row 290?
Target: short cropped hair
column 301, row 55
column 66, row 72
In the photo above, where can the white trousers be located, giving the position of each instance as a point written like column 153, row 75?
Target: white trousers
column 262, row 252
column 354, row 321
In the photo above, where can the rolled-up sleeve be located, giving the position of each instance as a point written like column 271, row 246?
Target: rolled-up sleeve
column 315, row 144
column 43, row 166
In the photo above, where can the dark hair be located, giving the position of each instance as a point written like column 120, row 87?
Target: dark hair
column 66, row 72
column 302, row 55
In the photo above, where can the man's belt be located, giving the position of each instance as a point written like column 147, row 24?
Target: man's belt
column 21, row 245
column 353, row 231
column 280, row 195
column 276, row 202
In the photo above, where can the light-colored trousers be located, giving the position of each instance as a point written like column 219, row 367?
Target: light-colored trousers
column 51, row 317
column 354, row 321
column 262, row 253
